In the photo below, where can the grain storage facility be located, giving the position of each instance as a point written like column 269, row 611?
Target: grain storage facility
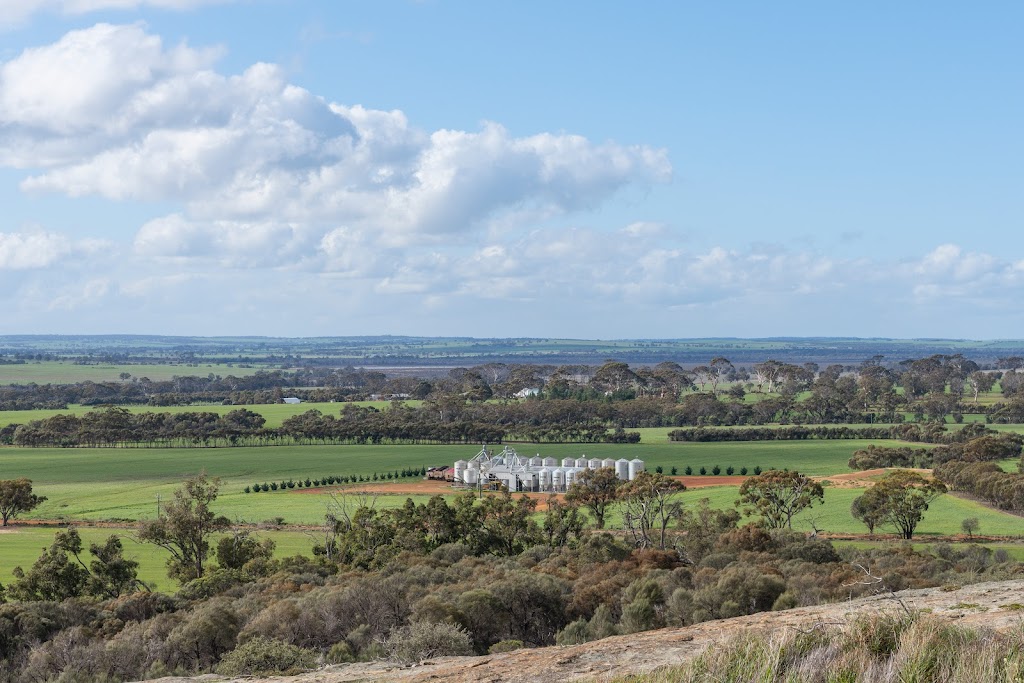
column 519, row 473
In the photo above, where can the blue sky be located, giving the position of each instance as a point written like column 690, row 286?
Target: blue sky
column 574, row 169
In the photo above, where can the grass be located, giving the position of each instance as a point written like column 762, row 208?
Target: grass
column 871, row 648
column 83, row 483
column 274, row 413
column 21, row 545
column 1014, row 550
column 833, row 517
column 64, row 372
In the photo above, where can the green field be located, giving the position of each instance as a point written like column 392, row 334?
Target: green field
column 123, row 483
column 833, row 517
column 275, row 413
column 64, row 372
column 20, row 546
column 1014, row 550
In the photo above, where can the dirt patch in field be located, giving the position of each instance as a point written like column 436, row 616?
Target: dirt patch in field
column 708, row 481
column 423, row 487
column 430, row 487
column 8, row 531
column 863, row 479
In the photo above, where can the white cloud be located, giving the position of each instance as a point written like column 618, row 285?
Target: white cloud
column 252, row 149
column 15, row 12
column 39, row 249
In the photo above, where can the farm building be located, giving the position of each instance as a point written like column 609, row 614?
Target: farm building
column 292, row 399
column 518, row 473
column 441, row 473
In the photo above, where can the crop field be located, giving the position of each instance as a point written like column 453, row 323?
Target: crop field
column 942, row 519
column 64, row 372
column 275, row 413
column 1014, row 550
column 123, row 483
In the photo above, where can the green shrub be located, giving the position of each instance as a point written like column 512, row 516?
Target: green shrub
column 576, row 633
column 424, row 640
column 340, row 653
column 505, row 646
column 262, row 656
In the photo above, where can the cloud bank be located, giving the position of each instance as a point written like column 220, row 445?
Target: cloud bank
column 343, row 219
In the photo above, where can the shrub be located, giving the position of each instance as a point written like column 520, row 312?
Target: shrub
column 505, row 646
column 730, row 470
column 261, row 656
column 340, row 653
column 688, row 470
column 703, row 471
column 743, row 471
column 716, row 470
column 424, row 640
column 675, row 471
column 576, row 633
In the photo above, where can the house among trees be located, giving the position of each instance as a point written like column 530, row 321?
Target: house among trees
column 292, row 399
column 527, row 392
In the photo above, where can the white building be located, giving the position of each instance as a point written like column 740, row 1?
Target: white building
column 518, row 473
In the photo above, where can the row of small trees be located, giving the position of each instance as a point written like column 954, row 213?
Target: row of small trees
column 334, row 479
column 703, row 471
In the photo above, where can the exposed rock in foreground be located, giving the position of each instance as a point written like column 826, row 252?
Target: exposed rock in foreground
column 996, row 605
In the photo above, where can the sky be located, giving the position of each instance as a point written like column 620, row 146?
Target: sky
column 581, row 169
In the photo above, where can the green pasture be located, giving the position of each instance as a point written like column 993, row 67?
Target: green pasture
column 833, row 516
column 64, row 372
column 123, row 483
column 21, row 545
column 275, row 413
column 1014, row 550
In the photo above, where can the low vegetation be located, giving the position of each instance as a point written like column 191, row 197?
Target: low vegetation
column 883, row 648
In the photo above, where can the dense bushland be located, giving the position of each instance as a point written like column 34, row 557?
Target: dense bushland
column 487, row 573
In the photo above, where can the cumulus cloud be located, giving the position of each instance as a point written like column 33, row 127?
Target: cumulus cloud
column 134, row 119
column 40, row 249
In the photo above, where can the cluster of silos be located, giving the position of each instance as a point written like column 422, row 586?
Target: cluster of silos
column 540, row 474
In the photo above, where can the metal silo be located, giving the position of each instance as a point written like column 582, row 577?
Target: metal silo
column 558, row 479
column 550, row 462
column 460, row 470
column 472, row 476
column 622, row 469
column 545, row 478
column 570, row 476
column 582, row 463
column 595, row 464
column 608, row 462
column 568, row 462
column 636, row 466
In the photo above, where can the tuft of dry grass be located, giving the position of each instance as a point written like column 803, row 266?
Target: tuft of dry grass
column 879, row 648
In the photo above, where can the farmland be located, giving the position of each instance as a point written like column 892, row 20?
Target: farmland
column 115, row 483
